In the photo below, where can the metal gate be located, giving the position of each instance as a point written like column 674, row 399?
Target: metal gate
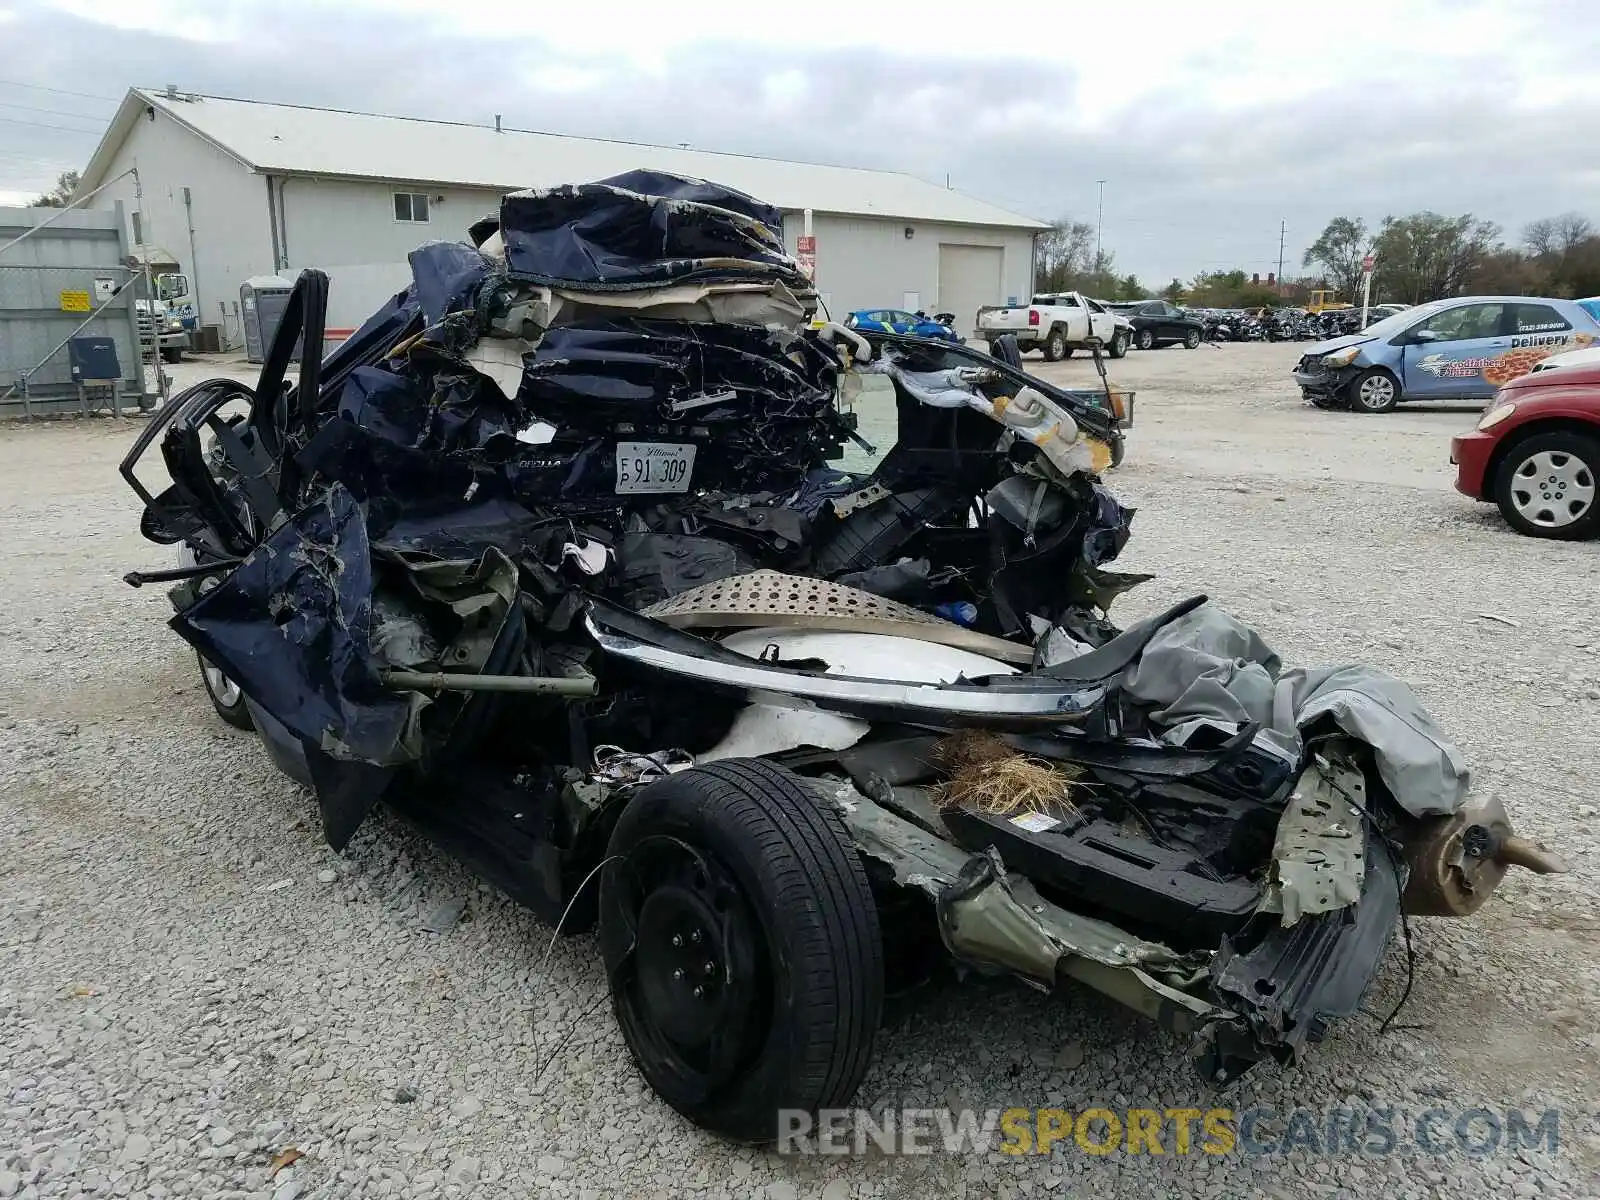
column 70, row 280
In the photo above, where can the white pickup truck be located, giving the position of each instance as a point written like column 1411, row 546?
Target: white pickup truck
column 1057, row 323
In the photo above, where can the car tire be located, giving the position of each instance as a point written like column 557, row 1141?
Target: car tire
column 1145, row 339
column 1119, row 346
column 172, row 354
column 1548, row 485
column 1191, row 339
column 1375, row 391
column 742, row 944
column 1055, row 346
column 225, row 695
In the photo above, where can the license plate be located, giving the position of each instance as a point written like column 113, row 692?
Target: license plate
column 654, row 467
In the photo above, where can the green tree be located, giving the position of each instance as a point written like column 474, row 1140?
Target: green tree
column 61, row 194
column 1173, row 291
column 1426, row 256
column 1339, row 251
column 1129, row 288
column 1230, row 289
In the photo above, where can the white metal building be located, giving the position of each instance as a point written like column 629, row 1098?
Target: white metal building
column 235, row 188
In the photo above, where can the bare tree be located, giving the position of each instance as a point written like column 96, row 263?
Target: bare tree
column 1065, row 254
column 1557, row 237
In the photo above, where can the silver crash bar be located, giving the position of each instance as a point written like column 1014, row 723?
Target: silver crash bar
column 1011, row 700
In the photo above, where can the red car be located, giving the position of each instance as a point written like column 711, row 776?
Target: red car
column 1536, row 453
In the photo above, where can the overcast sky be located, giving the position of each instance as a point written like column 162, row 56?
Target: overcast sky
column 1210, row 123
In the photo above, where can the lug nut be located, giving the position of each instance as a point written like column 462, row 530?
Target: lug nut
column 698, row 992
column 711, row 968
column 677, row 939
column 695, row 937
column 678, row 974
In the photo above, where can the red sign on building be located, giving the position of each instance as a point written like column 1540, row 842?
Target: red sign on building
column 805, row 253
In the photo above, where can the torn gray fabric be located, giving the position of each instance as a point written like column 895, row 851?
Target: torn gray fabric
column 1207, row 670
column 1419, row 765
column 1206, row 664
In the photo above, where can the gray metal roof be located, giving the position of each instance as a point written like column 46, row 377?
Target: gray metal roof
column 284, row 139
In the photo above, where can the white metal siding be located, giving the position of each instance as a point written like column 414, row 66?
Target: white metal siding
column 868, row 262
column 347, row 228
column 232, row 237
column 969, row 276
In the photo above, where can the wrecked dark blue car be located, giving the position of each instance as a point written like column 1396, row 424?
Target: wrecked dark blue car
column 553, row 557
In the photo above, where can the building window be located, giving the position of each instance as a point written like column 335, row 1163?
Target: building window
column 411, row 207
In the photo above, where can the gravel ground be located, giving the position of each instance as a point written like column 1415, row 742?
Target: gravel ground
column 191, row 983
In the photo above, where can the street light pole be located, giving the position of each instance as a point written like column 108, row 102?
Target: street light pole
column 1099, row 221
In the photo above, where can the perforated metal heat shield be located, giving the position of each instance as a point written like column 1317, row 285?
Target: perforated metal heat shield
column 772, row 598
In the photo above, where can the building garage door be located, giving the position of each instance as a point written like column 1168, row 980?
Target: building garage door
column 969, row 276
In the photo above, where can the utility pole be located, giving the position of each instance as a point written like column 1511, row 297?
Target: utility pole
column 1099, row 221
column 1283, row 232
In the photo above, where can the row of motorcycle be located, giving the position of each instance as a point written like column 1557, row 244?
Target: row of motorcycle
column 1277, row 325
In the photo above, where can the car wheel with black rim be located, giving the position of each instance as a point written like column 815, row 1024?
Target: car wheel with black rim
column 225, row 695
column 1374, row 391
column 1119, row 345
column 1547, row 485
column 1145, row 339
column 1191, row 339
column 741, row 941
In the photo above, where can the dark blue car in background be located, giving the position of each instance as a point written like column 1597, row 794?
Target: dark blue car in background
column 895, row 320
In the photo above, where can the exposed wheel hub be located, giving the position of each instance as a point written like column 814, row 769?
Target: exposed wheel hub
column 681, row 965
column 694, row 990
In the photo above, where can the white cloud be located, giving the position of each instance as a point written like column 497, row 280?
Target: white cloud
column 1211, row 123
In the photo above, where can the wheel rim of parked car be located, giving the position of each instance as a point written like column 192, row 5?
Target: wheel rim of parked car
column 1552, row 489
column 1146, row 339
column 224, row 690
column 1376, row 392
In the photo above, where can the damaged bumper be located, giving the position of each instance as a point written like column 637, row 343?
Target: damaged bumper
column 1329, row 382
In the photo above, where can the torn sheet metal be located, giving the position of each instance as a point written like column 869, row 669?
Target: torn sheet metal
column 1318, row 854
column 291, row 626
column 995, row 931
column 994, row 921
column 642, row 229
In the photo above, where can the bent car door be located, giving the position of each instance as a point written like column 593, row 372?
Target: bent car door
column 1445, row 354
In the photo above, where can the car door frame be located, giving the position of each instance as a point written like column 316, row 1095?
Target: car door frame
column 1417, row 384
column 1152, row 319
column 1168, row 330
